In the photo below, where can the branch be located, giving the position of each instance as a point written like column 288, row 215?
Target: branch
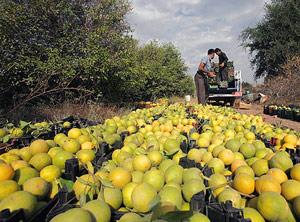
column 56, row 90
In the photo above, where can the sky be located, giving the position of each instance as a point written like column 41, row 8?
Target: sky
column 194, row 26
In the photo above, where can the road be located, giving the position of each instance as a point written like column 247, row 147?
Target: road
column 258, row 110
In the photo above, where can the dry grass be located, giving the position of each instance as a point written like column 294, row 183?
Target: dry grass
column 285, row 88
column 95, row 112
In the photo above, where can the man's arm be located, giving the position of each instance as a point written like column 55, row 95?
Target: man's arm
column 202, row 68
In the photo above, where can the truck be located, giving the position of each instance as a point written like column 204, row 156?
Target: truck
column 226, row 92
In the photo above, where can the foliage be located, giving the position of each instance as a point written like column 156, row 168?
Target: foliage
column 158, row 71
column 275, row 38
column 284, row 88
column 246, row 86
column 54, row 49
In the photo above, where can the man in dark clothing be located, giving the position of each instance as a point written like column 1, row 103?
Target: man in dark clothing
column 204, row 71
column 223, row 59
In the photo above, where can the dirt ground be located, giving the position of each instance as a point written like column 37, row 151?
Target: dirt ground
column 258, row 110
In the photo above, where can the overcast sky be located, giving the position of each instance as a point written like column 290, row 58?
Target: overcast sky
column 197, row 25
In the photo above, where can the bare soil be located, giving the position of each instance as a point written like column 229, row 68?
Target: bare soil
column 258, row 110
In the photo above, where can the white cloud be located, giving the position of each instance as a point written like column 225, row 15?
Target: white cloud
column 196, row 25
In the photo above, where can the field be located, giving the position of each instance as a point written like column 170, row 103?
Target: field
column 162, row 163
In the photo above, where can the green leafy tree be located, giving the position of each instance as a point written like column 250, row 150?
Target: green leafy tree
column 50, row 47
column 161, row 72
column 53, row 49
column 273, row 40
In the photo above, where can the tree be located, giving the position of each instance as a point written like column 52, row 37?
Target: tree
column 53, row 49
column 155, row 71
column 272, row 41
column 50, row 46
column 247, row 86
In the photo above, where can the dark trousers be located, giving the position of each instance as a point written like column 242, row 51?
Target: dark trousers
column 201, row 88
column 223, row 74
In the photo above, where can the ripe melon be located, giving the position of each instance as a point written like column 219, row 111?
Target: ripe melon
column 39, row 146
column 85, row 156
column 244, row 169
column 174, row 173
column 37, row 186
column 273, row 207
column 227, row 156
column 20, row 200
column 236, row 164
column 216, row 165
column 113, row 197
column 155, row 178
column 127, row 192
column 295, row 172
column 278, row 175
column 260, row 167
column 155, row 157
column 119, row 177
column 82, row 186
column 137, row 176
column 132, row 217
column 75, row 214
column 24, row 174
column 6, row 172
column 74, row 133
column 71, row 145
column 25, row 154
column 50, row 173
column 171, row 146
column 248, row 150
column 53, row 151
column 197, row 217
column 281, row 160
column 253, row 215
column 192, row 187
column 143, row 197
column 267, row 183
column 191, row 173
column 170, row 197
column 296, row 207
column 40, row 160
column 232, row 195
column 17, row 164
column 290, row 189
column 244, row 183
column 218, row 183
column 233, row 145
column 8, row 187
column 60, row 159
column 141, row 163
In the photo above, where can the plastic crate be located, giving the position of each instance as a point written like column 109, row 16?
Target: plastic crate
column 116, row 215
column 187, row 163
column 266, row 110
column 184, row 147
column 16, row 216
column 225, row 213
column 72, row 170
column 65, row 202
column 198, row 203
column 192, row 144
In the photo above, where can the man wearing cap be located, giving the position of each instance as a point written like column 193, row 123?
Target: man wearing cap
column 204, row 72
